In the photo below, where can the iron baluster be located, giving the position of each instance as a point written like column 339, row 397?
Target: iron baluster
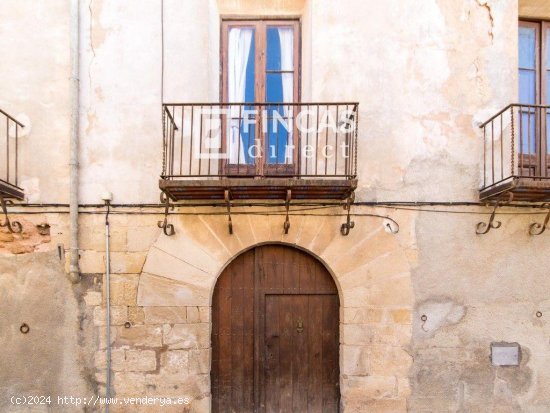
column 13, row 226
column 167, row 228
column 538, row 229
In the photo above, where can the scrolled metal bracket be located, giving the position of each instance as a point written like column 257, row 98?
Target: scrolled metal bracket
column 167, row 228
column 536, row 228
column 286, row 225
column 484, row 228
column 14, row 227
column 349, row 224
column 227, row 198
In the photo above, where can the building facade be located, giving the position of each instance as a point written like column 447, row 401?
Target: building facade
column 392, row 260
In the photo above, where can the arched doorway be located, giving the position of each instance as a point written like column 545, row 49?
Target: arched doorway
column 275, row 334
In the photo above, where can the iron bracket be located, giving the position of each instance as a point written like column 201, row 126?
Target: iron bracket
column 484, row 228
column 227, row 198
column 349, row 224
column 167, row 228
column 286, row 225
column 14, row 227
column 536, row 228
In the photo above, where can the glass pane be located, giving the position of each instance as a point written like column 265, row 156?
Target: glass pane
column 280, row 48
column 278, row 130
column 527, row 47
column 528, row 132
column 274, row 87
column 240, row 89
column 249, row 94
column 273, row 49
column 527, row 86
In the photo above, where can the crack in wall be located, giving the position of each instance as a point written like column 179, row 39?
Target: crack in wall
column 485, row 5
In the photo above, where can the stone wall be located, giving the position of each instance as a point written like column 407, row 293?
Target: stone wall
column 164, row 292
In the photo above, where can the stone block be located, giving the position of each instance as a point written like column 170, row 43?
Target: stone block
column 354, row 360
column 184, row 247
column 363, row 315
column 159, row 291
column 100, row 358
column 91, row 262
column 187, row 336
column 165, row 315
column 139, row 335
column 127, row 262
column 123, row 289
column 178, row 385
column 175, row 361
column 193, row 315
column 369, row 387
column 162, row 264
column 204, row 314
column 118, row 315
column 136, row 315
column 141, row 238
column 138, row 360
column 129, row 384
column 199, row 361
column 102, row 336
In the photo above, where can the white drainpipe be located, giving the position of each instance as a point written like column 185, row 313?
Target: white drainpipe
column 74, row 270
column 107, row 197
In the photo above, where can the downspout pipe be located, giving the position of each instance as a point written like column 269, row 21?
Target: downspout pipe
column 74, row 270
column 107, row 198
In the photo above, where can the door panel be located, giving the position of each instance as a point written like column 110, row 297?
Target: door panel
column 301, row 353
column 232, row 337
column 275, row 334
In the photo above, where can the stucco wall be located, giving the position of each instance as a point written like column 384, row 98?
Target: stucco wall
column 34, row 88
column 49, row 359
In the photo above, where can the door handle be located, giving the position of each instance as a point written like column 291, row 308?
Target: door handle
column 300, row 325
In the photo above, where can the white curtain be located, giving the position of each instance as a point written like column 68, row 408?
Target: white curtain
column 238, row 51
column 286, row 35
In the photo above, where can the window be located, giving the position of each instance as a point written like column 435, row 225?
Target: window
column 260, row 71
column 534, row 89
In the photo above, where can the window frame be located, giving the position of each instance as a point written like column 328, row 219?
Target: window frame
column 260, row 25
column 537, row 163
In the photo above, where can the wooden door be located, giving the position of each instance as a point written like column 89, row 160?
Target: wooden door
column 275, row 334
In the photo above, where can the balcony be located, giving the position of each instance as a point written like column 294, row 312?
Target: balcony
column 259, row 151
column 10, row 129
column 516, row 164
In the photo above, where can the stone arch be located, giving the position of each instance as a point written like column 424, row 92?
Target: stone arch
column 370, row 267
column 287, row 244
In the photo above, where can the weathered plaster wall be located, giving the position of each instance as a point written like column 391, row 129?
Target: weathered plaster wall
column 475, row 290
column 49, row 359
column 35, row 89
column 424, row 74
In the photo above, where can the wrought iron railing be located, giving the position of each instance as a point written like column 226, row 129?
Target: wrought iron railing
column 516, row 144
column 10, row 129
column 220, row 140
